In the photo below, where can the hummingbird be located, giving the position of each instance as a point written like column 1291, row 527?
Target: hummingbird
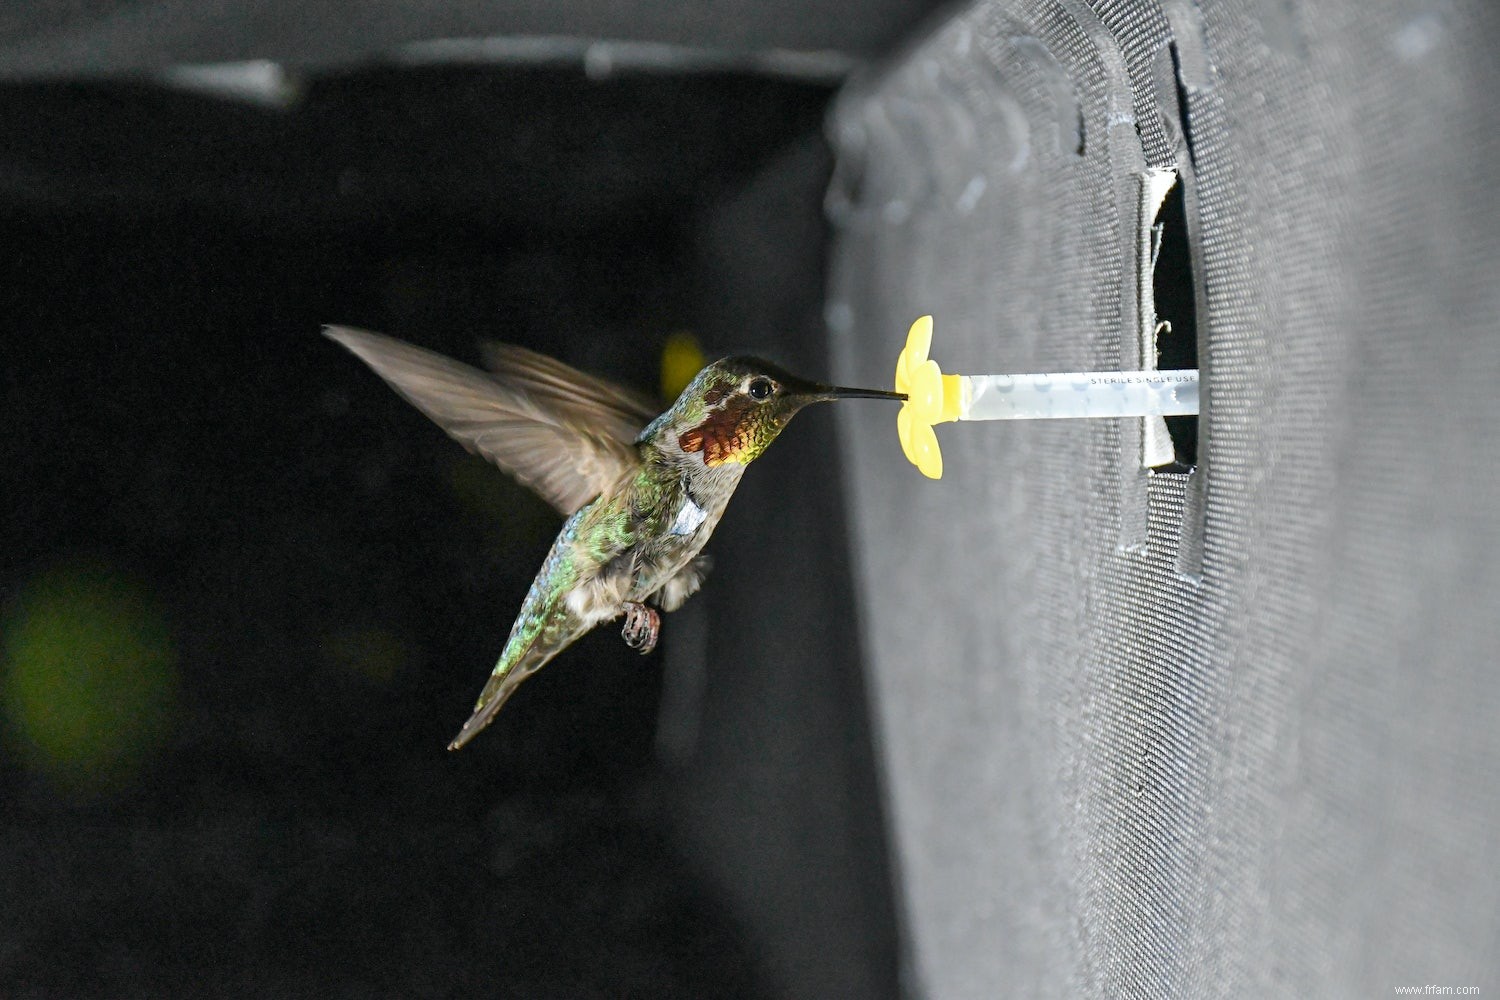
column 641, row 491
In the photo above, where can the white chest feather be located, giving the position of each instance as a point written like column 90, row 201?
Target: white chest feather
column 689, row 517
column 598, row 599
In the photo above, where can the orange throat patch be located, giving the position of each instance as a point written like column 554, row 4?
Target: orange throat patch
column 726, row 436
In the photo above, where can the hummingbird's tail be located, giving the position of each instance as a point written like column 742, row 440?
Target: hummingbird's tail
column 503, row 682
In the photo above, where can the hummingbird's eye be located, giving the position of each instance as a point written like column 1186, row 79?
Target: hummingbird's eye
column 760, row 388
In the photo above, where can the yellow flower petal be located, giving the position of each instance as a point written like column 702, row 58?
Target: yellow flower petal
column 929, row 458
column 922, row 380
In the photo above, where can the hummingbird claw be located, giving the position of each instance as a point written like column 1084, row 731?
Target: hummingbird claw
column 642, row 627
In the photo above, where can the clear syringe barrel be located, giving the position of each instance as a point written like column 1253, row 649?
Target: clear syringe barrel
column 1079, row 394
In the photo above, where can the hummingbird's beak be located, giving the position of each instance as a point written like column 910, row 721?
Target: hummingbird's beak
column 816, row 392
column 832, row 392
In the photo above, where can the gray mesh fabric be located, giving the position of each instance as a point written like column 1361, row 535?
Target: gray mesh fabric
column 1228, row 733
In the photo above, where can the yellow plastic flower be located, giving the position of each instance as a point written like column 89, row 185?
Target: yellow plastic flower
column 932, row 398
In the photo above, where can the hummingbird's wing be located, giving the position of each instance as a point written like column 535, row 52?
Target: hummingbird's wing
column 587, row 399
column 565, row 434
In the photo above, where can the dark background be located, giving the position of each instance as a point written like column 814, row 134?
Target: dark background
column 268, row 590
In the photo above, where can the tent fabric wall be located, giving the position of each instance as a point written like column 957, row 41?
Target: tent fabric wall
column 100, row 37
column 1222, row 733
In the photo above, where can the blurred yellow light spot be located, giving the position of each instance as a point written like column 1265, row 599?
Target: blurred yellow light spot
column 681, row 359
column 88, row 678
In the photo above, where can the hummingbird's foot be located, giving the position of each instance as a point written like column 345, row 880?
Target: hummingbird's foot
column 642, row 627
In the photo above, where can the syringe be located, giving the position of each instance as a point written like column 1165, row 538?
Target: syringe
column 934, row 398
column 1079, row 394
